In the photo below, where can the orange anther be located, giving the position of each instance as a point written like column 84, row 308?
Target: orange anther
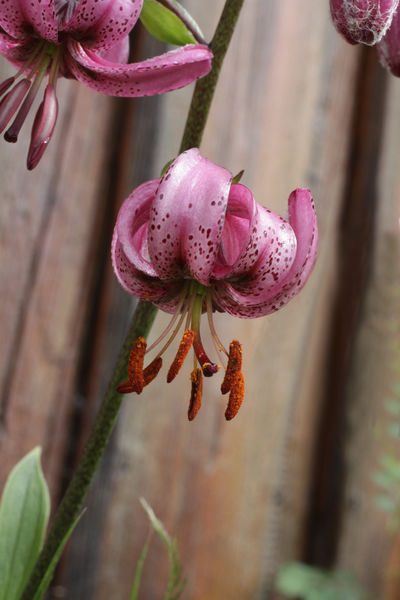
column 196, row 394
column 236, row 397
column 184, row 347
column 234, row 366
column 152, row 370
column 135, row 381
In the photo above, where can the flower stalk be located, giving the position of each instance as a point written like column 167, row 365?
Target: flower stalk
column 141, row 324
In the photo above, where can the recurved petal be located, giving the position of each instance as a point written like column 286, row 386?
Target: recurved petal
column 187, row 217
column 119, row 53
column 42, row 16
column 157, row 75
column 12, row 19
column 236, row 233
column 10, row 49
column 135, row 282
column 132, row 226
column 389, row 47
column 235, row 298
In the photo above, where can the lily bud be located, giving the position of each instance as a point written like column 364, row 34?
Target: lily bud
column 43, row 127
column 389, row 47
column 363, row 21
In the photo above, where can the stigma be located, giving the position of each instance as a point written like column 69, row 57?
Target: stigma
column 18, row 93
column 196, row 300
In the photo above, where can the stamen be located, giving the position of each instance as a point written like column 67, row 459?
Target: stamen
column 149, row 373
column 196, row 393
column 11, row 101
column 170, row 325
column 234, row 366
column 235, row 397
column 7, row 83
column 217, row 342
column 135, row 381
column 43, row 127
column 11, row 135
column 184, row 347
column 152, row 370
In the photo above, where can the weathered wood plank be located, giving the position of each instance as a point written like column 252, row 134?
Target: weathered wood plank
column 234, row 494
column 48, row 220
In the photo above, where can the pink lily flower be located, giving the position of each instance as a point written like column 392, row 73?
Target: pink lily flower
column 363, row 21
column 87, row 40
column 193, row 242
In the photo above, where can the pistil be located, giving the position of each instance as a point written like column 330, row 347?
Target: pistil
column 207, row 366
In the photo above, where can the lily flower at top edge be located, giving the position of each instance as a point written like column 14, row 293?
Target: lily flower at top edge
column 87, row 41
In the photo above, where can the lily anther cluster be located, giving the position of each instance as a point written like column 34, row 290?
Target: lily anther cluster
column 194, row 242
column 371, row 22
column 87, row 40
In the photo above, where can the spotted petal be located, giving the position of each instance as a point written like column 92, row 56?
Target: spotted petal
column 135, row 282
column 257, row 296
column 132, row 226
column 12, row 19
column 119, row 53
column 157, row 75
column 187, row 217
column 104, row 23
column 11, row 49
column 236, row 233
column 41, row 15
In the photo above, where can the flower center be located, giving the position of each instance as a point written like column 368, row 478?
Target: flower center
column 18, row 93
column 195, row 300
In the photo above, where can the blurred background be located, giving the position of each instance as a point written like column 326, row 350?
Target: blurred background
column 310, row 469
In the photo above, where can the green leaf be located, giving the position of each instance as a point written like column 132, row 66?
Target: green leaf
column 47, row 577
column 386, row 503
column 297, row 580
column 24, row 513
column 176, row 581
column 139, row 570
column 164, row 25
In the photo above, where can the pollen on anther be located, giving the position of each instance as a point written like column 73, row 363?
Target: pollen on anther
column 184, row 347
column 234, row 366
column 135, row 381
column 236, row 397
column 152, row 370
column 196, row 393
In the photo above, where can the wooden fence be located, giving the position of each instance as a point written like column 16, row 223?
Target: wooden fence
column 292, row 477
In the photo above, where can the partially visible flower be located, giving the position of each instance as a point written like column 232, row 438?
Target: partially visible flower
column 193, row 242
column 363, row 21
column 87, row 40
column 389, row 47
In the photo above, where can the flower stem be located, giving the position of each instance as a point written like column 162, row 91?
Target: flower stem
column 205, row 87
column 142, row 320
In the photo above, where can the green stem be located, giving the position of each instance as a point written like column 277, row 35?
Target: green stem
column 142, row 320
column 205, row 88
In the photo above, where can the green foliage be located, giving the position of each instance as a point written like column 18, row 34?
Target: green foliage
column 24, row 513
column 176, row 581
column 44, row 584
column 297, row 580
column 164, row 25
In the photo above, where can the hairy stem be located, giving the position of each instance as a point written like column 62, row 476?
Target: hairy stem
column 142, row 320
